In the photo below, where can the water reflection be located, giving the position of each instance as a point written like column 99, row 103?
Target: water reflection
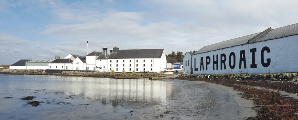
column 112, row 91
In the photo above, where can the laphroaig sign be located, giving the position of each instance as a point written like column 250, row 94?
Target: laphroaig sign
column 273, row 56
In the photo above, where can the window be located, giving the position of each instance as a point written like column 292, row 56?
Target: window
column 77, row 62
column 116, row 69
column 110, row 65
column 129, row 69
column 137, row 65
column 116, row 60
column 144, row 69
column 62, row 66
column 151, row 65
column 56, row 66
column 50, row 66
column 137, row 69
column 123, row 68
column 151, row 69
column 188, row 63
column 123, row 60
column 104, row 66
column 137, row 60
column 87, row 68
column 110, row 69
column 66, row 67
column 129, row 60
column 144, row 65
column 129, row 65
column 185, row 63
column 116, row 65
column 151, row 60
column 123, row 65
column 144, row 60
column 110, row 60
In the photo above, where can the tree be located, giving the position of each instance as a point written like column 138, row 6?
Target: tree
column 175, row 57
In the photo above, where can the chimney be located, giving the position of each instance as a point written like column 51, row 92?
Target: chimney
column 115, row 49
column 57, row 57
column 111, row 51
column 87, row 48
column 105, row 51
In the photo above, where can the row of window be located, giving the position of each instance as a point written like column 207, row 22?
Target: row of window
column 130, row 60
column 137, row 65
column 66, row 67
column 130, row 69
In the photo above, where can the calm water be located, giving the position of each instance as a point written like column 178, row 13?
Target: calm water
column 78, row 97
column 105, row 99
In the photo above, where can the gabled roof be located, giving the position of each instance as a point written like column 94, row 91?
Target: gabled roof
column 83, row 59
column 268, row 34
column 21, row 62
column 62, row 61
column 75, row 56
column 137, row 53
column 94, row 53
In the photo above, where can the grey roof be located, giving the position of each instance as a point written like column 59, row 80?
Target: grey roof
column 75, row 56
column 21, row 62
column 137, row 53
column 62, row 61
column 39, row 61
column 82, row 58
column 94, row 53
column 103, row 56
column 268, row 34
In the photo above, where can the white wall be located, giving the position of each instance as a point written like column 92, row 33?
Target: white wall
column 102, row 65
column 130, row 65
column 78, row 65
column 187, row 64
column 38, row 67
column 61, row 66
column 17, row 67
column 283, row 57
column 90, row 62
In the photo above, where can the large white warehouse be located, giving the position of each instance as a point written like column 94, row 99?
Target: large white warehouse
column 270, row 51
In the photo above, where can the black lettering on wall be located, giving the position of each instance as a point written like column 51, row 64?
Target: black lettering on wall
column 232, row 66
column 195, row 64
column 215, row 62
column 242, row 59
column 268, row 60
column 222, row 61
column 207, row 62
column 253, row 58
column 201, row 64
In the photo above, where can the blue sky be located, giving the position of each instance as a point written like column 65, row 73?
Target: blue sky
column 42, row 29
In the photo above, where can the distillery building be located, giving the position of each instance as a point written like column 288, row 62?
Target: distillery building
column 269, row 51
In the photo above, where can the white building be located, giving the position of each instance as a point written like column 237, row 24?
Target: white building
column 79, row 63
column 187, row 63
column 270, row 51
column 61, row 64
column 138, row 60
column 21, row 64
column 90, row 60
column 38, row 64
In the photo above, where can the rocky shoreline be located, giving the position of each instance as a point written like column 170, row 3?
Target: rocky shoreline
column 153, row 76
column 270, row 102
